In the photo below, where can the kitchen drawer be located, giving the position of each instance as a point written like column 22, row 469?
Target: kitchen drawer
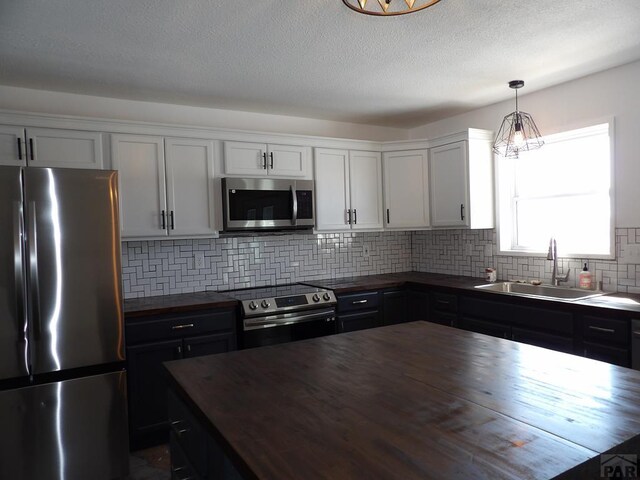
column 444, row 302
column 163, row 327
column 187, row 432
column 605, row 353
column 607, row 330
column 486, row 327
column 444, row 318
column 358, row 301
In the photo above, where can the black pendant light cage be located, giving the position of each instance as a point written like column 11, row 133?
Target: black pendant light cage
column 518, row 132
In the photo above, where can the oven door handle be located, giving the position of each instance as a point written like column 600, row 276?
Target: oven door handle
column 294, row 203
column 287, row 319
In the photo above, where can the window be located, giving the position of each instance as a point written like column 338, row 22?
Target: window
column 562, row 190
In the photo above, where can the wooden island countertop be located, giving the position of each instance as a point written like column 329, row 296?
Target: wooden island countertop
column 412, row 401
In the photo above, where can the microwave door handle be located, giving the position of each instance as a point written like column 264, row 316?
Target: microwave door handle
column 294, row 213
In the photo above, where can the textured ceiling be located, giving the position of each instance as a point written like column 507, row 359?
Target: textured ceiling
column 312, row 58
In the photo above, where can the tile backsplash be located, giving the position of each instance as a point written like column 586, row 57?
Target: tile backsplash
column 468, row 252
column 164, row 267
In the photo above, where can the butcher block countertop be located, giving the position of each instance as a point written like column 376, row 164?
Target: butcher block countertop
column 412, row 401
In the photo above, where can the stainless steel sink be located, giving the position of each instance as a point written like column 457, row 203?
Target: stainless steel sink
column 540, row 291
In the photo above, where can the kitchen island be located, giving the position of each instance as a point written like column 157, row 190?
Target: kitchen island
column 415, row 400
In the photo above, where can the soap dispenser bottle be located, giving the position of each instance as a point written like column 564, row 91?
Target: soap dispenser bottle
column 585, row 278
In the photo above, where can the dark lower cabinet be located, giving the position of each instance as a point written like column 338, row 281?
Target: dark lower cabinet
column 156, row 339
column 394, row 307
column 607, row 353
column 358, row 321
column 542, row 339
column 417, row 305
column 148, row 391
column 484, row 326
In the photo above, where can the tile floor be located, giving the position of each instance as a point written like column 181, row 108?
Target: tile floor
column 150, row 464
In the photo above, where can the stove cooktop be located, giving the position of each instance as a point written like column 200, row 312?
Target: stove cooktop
column 262, row 301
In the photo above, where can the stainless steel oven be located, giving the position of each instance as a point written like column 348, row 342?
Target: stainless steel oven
column 267, row 204
column 271, row 315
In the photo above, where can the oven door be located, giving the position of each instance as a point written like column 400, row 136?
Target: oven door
column 266, row 204
column 288, row 327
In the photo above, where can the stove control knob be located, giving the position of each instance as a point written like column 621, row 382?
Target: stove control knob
column 252, row 305
column 316, row 297
column 326, row 297
column 265, row 304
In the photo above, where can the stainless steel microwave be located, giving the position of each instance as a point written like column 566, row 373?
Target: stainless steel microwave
column 266, row 204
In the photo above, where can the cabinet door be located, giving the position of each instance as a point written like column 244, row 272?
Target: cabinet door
column 140, row 162
column 245, row 159
column 358, row 321
column 287, row 160
column 13, row 148
column 332, row 189
column 406, row 189
column 543, row 339
column 148, row 417
column 448, row 185
column 486, row 327
column 394, row 308
column 365, row 175
column 417, row 305
column 209, row 344
column 606, row 353
column 64, row 148
column 190, row 200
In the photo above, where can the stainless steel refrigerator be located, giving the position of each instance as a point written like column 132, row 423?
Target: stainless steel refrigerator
column 62, row 378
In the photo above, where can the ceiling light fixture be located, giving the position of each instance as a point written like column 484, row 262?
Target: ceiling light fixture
column 386, row 8
column 518, row 132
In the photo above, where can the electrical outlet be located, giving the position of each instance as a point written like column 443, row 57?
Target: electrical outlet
column 199, row 260
column 365, row 251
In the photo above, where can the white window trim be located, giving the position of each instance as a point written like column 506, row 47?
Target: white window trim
column 612, row 218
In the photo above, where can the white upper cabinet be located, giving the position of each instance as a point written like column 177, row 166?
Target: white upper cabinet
column 406, row 189
column 49, row 147
column 461, row 181
column 348, row 187
column 365, row 174
column 189, row 166
column 332, row 189
column 260, row 159
column 166, row 186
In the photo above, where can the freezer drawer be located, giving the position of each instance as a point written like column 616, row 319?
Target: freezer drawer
column 76, row 429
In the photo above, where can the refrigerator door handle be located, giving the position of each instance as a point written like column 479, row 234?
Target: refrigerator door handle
column 18, row 256
column 33, row 271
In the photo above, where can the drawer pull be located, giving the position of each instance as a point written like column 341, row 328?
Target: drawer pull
column 359, row 302
column 600, row 329
column 636, row 333
column 442, row 302
column 180, row 327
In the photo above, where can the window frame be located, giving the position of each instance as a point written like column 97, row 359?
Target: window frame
column 506, row 199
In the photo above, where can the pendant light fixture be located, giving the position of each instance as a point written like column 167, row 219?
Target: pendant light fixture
column 387, row 8
column 518, row 132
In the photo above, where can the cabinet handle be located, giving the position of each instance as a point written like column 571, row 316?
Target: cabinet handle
column 173, row 227
column 179, row 349
column 462, row 211
column 188, row 348
column 359, row 302
column 349, row 217
column 355, row 216
column 33, row 157
column 600, row 329
column 180, row 327
column 442, row 302
column 271, row 158
column 19, row 148
column 264, row 160
column 164, row 221
column 636, row 333
column 388, row 220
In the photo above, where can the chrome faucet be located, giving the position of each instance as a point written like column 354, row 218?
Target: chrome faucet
column 553, row 255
